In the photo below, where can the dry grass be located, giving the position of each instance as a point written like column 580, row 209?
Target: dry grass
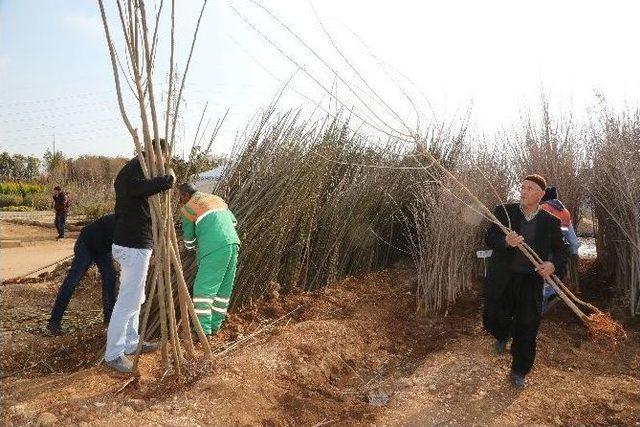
column 442, row 253
column 309, row 210
column 615, row 192
column 551, row 146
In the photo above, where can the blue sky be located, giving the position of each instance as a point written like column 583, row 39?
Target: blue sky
column 55, row 74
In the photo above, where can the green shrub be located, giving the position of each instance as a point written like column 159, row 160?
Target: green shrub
column 94, row 210
column 8, row 188
column 20, row 188
column 10, row 200
column 39, row 201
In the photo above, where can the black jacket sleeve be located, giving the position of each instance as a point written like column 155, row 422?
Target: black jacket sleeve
column 139, row 186
column 494, row 237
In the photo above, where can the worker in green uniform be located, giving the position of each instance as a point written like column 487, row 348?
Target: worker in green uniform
column 208, row 224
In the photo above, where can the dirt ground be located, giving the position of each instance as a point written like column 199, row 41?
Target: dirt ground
column 42, row 217
column 10, row 231
column 39, row 247
column 16, row 262
column 354, row 354
column 30, row 234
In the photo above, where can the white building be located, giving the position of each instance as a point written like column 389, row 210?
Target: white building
column 208, row 180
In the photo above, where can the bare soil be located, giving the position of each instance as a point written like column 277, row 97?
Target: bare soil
column 352, row 354
column 25, row 233
column 39, row 247
column 30, row 234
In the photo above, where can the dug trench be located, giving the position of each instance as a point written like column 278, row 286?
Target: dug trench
column 353, row 353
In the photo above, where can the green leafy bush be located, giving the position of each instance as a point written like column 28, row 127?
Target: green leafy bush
column 20, row 188
column 39, row 201
column 94, row 210
column 10, row 200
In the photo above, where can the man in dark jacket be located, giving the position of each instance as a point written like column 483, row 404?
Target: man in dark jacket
column 61, row 206
column 132, row 245
column 93, row 245
column 513, row 287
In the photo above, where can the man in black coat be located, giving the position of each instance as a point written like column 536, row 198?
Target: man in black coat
column 132, row 245
column 93, row 246
column 513, row 287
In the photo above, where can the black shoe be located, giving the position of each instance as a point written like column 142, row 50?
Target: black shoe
column 499, row 347
column 55, row 329
column 517, row 379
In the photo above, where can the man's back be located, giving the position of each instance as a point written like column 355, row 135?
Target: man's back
column 133, row 222
column 557, row 209
column 132, row 228
column 214, row 222
column 98, row 235
column 61, row 202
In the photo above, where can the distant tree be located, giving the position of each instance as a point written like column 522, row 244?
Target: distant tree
column 19, row 167
column 32, row 168
column 97, row 169
column 52, row 161
column 56, row 167
column 6, row 166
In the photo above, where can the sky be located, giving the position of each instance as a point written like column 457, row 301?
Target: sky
column 493, row 58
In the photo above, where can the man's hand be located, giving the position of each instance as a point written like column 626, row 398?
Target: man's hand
column 546, row 269
column 513, row 239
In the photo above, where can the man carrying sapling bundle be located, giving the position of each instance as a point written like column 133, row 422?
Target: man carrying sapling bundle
column 513, row 287
column 132, row 247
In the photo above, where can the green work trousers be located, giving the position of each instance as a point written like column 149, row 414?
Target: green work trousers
column 213, row 286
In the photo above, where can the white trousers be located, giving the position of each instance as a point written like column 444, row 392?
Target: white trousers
column 122, row 334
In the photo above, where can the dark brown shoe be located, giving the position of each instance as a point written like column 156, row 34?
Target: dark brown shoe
column 55, row 329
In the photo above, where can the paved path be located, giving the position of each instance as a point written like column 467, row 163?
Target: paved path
column 45, row 216
column 18, row 261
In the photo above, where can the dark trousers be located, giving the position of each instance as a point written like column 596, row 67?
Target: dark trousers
column 61, row 219
column 81, row 262
column 515, row 312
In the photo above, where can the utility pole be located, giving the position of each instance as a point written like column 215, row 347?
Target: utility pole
column 53, row 137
